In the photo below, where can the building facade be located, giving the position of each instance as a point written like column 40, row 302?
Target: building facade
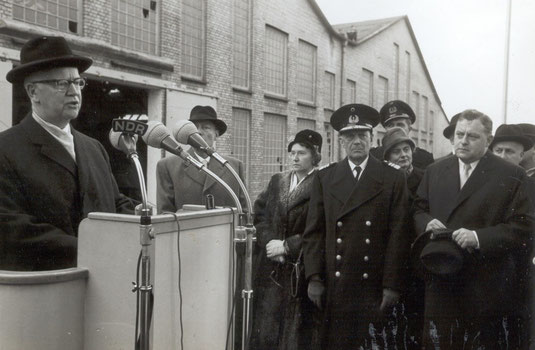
column 269, row 68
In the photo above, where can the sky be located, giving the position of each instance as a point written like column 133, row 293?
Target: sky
column 463, row 43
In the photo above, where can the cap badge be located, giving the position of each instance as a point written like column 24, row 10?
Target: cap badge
column 353, row 119
column 393, row 110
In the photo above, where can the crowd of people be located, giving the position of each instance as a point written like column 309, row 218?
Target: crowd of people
column 387, row 248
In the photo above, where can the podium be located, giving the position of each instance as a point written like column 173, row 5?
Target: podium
column 93, row 307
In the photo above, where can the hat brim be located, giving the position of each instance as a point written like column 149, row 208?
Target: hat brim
column 403, row 139
column 308, row 144
column 219, row 124
column 20, row 72
column 448, row 131
column 436, row 260
column 356, row 127
column 523, row 140
column 411, row 118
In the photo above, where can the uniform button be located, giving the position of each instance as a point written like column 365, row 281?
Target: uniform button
column 368, row 223
column 339, row 224
column 337, row 273
column 365, row 276
column 338, row 257
column 366, row 258
column 367, row 240
column 339, row 240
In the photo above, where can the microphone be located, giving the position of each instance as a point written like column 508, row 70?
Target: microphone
column 125, row 130
column 158, row 136
column 123, row 142
column 187, row 133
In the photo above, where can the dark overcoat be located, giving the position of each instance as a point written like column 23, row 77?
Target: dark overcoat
column 495, row 203
column 44, row 194
column 357, row 239
column 283, row 315
column 179, row 184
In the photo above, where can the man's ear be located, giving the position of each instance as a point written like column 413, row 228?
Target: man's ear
column 30, row 91
column 489, row 140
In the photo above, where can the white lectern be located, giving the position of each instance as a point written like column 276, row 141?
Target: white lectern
column 109, row 246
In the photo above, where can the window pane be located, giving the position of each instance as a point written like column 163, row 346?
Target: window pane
column 382, row 92
column 242, row 25
column 351, row 88
column 128, row 18
column 329, row 91
column 275, row 63
column 193, row 37
column 306, row 72
column 303, row 124
column 275, row 152
column 43, row 13
column 241, row 141
column 366, row 88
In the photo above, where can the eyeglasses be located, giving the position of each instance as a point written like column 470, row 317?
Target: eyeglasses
column 63, row 85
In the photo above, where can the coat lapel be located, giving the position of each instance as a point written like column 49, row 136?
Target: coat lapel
column 478, row 176
column 192, row 172
column 342, row 182
column 300, row 194
column 369, row 185
column 50, row 147
column 217, row 169
column 449, row 185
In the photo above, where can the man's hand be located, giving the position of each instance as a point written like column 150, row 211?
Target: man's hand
column 434, row 224
column 274, row 248
column 316, row 289
column 466, row 239
column 390, row 298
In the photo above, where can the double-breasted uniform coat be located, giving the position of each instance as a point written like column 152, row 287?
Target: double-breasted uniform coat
column 495, row 203
column 44, row 194
column 179, row 184
column 357, row 240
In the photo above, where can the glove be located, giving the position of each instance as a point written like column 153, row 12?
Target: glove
column 390, row 298
column 274, row 248
column 315, row 291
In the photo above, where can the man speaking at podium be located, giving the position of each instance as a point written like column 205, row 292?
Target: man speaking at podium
column 180, row 184
column 51, row 176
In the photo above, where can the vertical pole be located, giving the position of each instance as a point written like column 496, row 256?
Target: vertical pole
column 507, row 48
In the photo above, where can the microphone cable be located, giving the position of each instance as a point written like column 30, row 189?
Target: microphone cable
column 181, row 323
column 138, row 302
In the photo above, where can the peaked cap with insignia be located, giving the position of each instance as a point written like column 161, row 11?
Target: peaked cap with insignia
column 396, row 109
column 354, row 117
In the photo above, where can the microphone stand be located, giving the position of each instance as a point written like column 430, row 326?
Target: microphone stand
column 244, row 235
column 145, row 230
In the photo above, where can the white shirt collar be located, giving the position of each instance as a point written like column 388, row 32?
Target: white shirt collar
column 64, row 136
column 362, row 165
column 472, row 165
column 207, row 159
column 294, row 182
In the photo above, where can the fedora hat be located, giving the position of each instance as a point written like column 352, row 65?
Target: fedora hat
column 513, row 133
column 310, row 138
column 393, row 137
column 43, row 53
column 450, row 129
column 207, row 113
column 436, row 251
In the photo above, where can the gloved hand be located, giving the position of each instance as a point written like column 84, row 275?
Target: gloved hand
column 390, row 297
column 315, row 291
column 274, row 248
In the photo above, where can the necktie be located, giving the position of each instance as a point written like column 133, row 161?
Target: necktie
column 465, row 173
column 356, row 172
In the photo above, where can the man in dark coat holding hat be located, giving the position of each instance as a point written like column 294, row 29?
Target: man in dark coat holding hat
column 356, row 240
column 398, row 114
column 179, row 184
column 484, row 201
column 51, row 176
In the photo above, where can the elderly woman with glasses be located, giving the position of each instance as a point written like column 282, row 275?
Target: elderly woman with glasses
column 283, row 315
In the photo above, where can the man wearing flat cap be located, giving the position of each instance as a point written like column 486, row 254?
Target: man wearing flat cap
column 356, row 242
column 51, row 176
column 179, row 184
column 510, row 143
column 399, row 114
column 484, row 201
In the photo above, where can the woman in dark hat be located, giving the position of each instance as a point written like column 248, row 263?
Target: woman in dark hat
column 398, row 148
column 283, row 315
